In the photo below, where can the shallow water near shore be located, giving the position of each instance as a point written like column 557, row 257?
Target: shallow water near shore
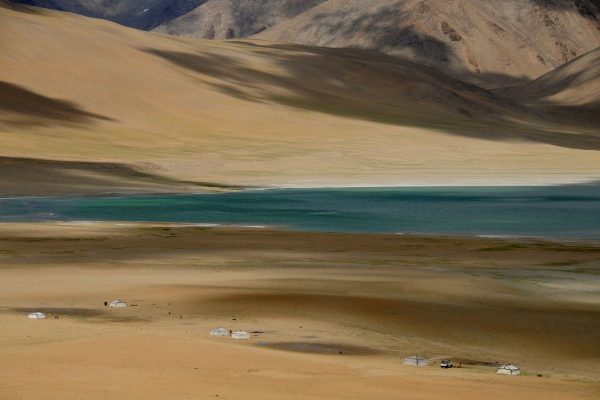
column 570, row 212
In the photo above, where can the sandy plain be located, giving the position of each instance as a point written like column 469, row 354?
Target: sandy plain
column 308, row 296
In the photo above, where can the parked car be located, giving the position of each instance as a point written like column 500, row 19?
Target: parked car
column 446, row 364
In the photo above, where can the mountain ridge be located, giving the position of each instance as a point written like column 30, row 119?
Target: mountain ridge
column 139, row 14
column 225, row 19
column 492, row 43
column 256, row 113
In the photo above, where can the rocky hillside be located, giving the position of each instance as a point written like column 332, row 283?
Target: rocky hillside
column 227, row 19
column 493, row 43
column 141, row 14
column 571, row 89
column 490, row 42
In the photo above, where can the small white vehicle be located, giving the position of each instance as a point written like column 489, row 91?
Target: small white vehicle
column 446, row 364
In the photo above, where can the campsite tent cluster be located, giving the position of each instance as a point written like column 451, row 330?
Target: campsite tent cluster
column 113, row 304
column 507, row 369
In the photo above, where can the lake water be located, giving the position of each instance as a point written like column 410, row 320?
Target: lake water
column 559, row 211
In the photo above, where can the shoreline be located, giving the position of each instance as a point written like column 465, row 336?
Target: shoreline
column 465, row 184
column 270, row 229
column 241, row 188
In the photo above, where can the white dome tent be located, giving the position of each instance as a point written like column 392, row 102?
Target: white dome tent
column 509, row 369
column 37, row 315
column 240, row 335
column 117, row 304
column 416, row 360
column 219, row 332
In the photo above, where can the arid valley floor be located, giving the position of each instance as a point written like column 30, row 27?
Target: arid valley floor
column 303, row 94
column 307, row 296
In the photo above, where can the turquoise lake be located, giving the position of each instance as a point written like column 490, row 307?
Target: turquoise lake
column 552, row 211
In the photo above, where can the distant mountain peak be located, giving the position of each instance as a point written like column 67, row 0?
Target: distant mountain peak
column 140, row 14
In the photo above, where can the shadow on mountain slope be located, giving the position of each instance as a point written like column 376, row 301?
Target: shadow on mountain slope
column 587, row 8
column 14, row 6
column 375, row 87
column 28, row 176
column 384, row 32
column 17, row 102
column 139, row 14
column 465, row 39
column 571, row 91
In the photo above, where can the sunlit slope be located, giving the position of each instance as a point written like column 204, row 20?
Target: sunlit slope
column 81, row 89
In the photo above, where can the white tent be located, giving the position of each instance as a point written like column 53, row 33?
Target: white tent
column 219, row 332
column 117, row 304
column 416, row 360
column 509, row 369
column 240, row 335
column 37, row 315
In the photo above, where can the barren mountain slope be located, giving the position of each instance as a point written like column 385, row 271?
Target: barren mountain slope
column 489, row 42
column 226, row 19
column 83, row 90
column 493, row 42
column 575, row 84
column 141, row 14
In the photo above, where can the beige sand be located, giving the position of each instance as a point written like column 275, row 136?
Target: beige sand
column 378, row 298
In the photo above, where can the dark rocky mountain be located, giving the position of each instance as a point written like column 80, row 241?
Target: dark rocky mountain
column 227, row 19
column 573, row 89
column 489, row 42
column 141, row 14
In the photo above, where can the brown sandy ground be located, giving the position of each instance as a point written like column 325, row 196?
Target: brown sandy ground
column 377, row 298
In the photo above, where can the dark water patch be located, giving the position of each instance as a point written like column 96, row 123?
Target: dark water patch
column 122, row 318
column 322, row 348
column 73, row 312
column 468, row 361
column 61, row 311
column 561, row 329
